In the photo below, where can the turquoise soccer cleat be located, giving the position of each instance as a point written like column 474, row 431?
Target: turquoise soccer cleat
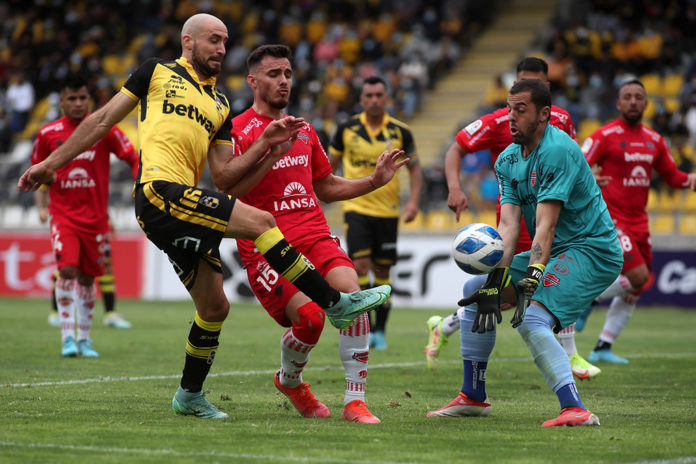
column 86, row 349
column 69, row 348
column 195, row 404
column 351, row 305
column 606, row 356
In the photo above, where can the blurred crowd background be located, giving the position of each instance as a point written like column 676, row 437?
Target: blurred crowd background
column 414, row 44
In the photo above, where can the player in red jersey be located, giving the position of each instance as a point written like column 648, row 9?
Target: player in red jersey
column 288, row 185
column 492, row 132
column 625, row 152
column 78, row 214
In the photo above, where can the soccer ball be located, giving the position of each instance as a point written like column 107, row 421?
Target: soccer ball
column 477, row 248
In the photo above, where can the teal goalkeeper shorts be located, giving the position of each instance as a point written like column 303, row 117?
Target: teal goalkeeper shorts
column 571, row 281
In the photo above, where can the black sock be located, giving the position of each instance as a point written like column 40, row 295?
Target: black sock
column 200, row 353
column 296, row 268
column 602, row 345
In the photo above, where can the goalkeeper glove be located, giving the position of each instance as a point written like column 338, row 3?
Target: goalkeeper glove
column 488, row 300
column 527, row 287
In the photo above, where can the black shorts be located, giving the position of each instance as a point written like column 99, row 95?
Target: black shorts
column 187, row 223
column 371, row 237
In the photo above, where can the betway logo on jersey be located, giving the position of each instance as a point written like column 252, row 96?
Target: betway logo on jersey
column 88, row 155
column 77, row 178
column 290, row 161
column 294, row 197
column 190, row 112
column 638, row 157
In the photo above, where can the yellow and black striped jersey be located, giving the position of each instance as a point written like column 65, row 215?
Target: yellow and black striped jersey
column 179, row 117
column 360, row 147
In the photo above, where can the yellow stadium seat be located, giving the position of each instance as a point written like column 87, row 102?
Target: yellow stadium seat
column 687, row 224
column 672, row 84
column 652, row 84
column 415, row 225
column 689, row 201
column 111, row 64
column 650, row 110
column 672, row 104
column 653, row 200
column 487, row 217
column 439, row 220
column 587, row 127
column 662, row 223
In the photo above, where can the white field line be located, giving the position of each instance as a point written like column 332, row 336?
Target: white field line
column 272, row 371
column 194, row 454
column 685, row 460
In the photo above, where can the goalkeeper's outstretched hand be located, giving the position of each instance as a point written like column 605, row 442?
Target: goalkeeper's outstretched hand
column 488, row 300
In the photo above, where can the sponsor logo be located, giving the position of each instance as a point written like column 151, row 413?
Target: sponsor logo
column 551, row 280
column 362, row 163
column 291, row 161
column 532, row 179
column 54, row 127
column 587, row 144
column 638, row 178
column 191, row 112
column 561, row 268
column 473, row 127
column 77, row 178
column 254, row 123
column 637, row 157
column 677, row 277
column 294, row 197
column 88, row 155
column 502, row 119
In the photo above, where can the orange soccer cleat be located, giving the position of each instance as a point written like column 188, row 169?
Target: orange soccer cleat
column 303, row 399
column 571, row 417
column 356, row 411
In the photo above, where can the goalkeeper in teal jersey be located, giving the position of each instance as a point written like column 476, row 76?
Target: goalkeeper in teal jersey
column 575, row 255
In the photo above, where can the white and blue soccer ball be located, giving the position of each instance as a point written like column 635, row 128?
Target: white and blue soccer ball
column 477, row 248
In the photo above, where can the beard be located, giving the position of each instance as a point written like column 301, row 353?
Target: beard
column 632, row 119
column 278, row 103
column 201, row 65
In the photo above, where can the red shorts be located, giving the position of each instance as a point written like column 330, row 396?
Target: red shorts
column 274, row 291
column 72, row 247
column 636, row 247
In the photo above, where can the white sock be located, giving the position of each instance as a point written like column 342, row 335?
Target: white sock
column 65, row 298
column 619, row 287
column 354, row 351
column 617, row 317
column 85, row 310
column 450, row 324
column 567, row 339
column 294, row 355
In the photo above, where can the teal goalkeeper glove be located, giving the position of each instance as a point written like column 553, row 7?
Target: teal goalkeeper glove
column 488, row 300
column 527, row 287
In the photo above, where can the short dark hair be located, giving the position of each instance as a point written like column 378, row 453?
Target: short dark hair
column 73, row 82
column 274, row 50
column 533, row 64
column 375, row 80
column 629, row 81
column 541, row 96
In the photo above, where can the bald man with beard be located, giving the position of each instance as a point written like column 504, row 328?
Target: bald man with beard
column 184, row 122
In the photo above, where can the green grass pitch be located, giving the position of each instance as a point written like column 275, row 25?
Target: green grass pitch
column 117, row 408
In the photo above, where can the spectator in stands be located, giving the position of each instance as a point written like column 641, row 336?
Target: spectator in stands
column 20, row 101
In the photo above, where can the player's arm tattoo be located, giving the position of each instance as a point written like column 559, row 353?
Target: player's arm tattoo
column 536, row 253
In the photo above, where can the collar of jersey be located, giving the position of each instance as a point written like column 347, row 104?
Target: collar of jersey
column 189, row 67
column 363, row 120
column 628, row 127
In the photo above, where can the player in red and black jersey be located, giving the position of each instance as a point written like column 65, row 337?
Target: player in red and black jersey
column 289, row 185
column 184, row 122
column 76, row 203
column 492, row 132
column 624, row 154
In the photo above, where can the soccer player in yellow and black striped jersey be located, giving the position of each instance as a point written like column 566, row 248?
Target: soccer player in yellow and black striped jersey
column 371, row 220
column 184, row 120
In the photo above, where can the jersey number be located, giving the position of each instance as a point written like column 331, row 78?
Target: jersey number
column 268, row 277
